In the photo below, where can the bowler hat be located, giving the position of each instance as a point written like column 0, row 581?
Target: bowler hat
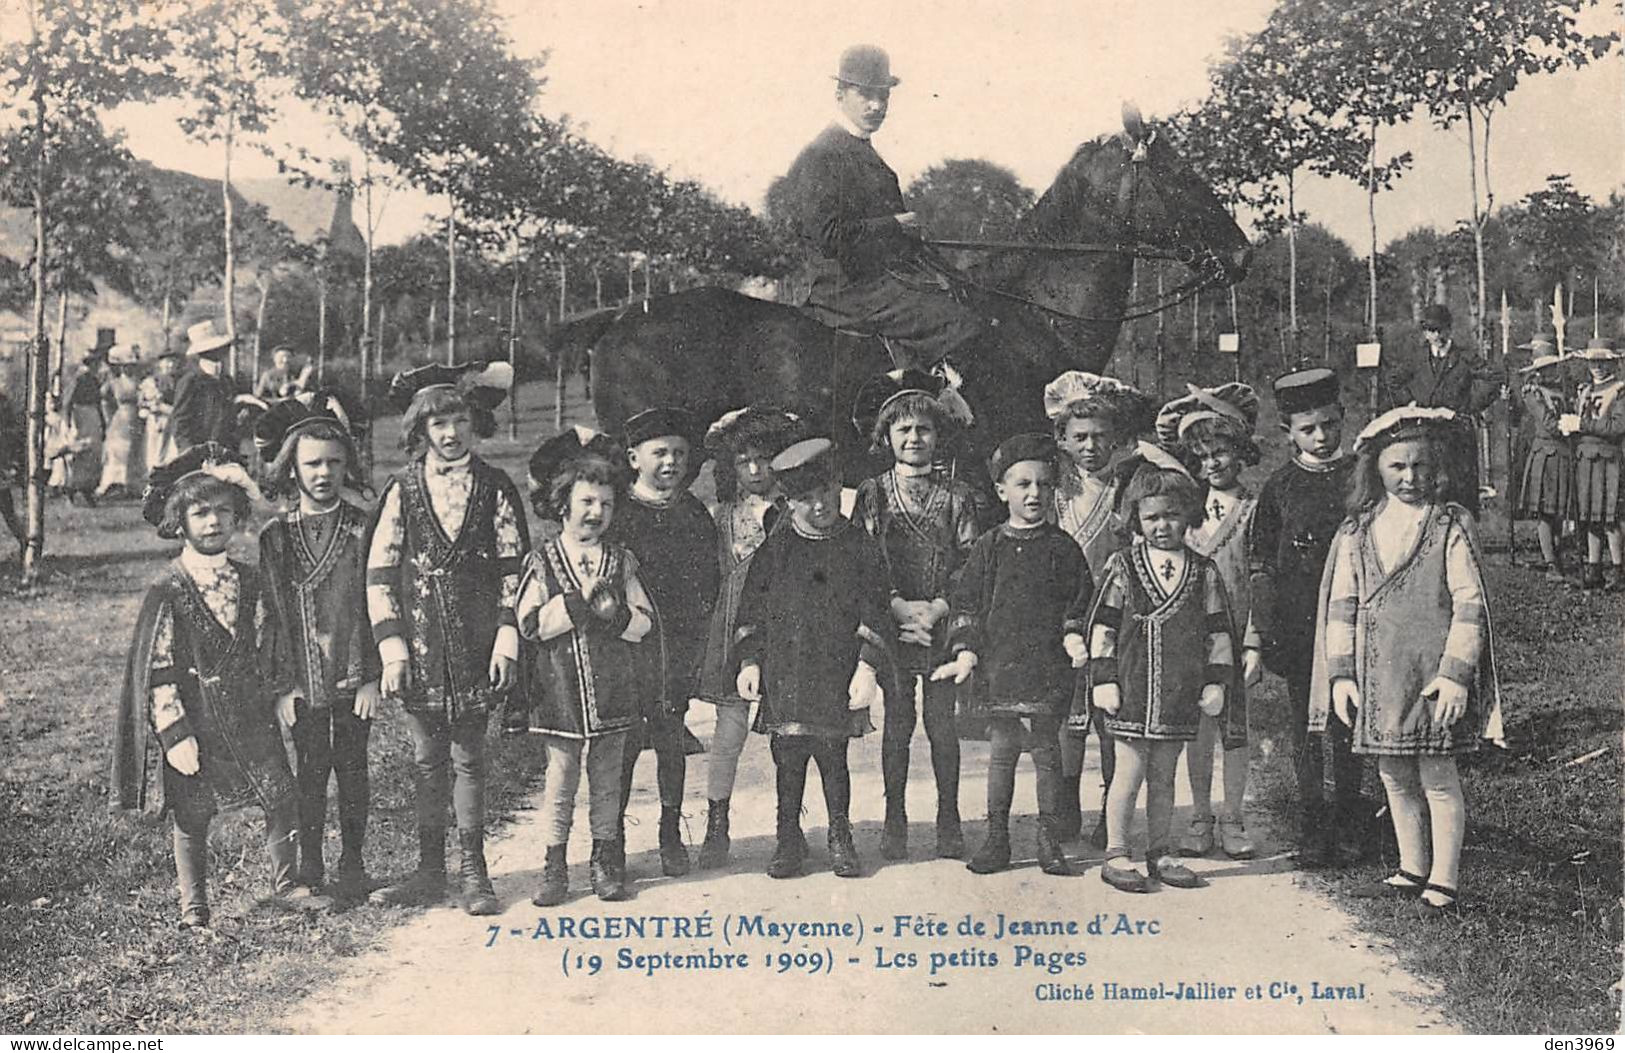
column 1437, row 316
column 866, row 66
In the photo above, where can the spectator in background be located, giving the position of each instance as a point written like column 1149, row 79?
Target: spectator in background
column 280, row 381
column 155, row 402
column 203, row 398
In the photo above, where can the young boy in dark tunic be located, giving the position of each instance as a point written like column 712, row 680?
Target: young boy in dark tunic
column 671, row 533
column 313, row 565
column 925, row 521
column 1020, row 608
column 442, row 580
column 814, row 635
column 197, row 688
column 1300, row 508
column 581, row 601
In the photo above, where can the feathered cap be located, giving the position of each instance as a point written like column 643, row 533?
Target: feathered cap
column 569, row 446
column 1027, row 446
column 759, row 427
column 1235, row 404
column 482, row 384
column 207, row 459
column 1402, row 423
column 286, row 418
column 883, row 389
column 1079, row 394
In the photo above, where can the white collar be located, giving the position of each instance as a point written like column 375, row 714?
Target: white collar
column 848, row 126
column 196, row 562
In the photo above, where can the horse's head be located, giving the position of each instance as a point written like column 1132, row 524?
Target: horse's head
column 1134, row 189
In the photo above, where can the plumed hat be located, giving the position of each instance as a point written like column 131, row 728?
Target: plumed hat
column 760, row 427
column 1401, row 423
column 805, row 466
column 883, row 389
column 1235, row 404
column 210, row 459
column 568, row 447
column 1028, row 446
column 1305, row 389
column 1081, row 394
column 484, row 384
column 658, row 421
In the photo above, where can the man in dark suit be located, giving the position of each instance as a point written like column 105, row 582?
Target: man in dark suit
column 1443, row 376
column 871, row 272
column 203, row 398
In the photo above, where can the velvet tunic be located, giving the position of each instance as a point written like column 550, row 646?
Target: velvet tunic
column 926, row 527
column 1299, row 511
column 319, row 596
column 187, row 675
column 1021, row 590
column 1160, row 649
column 676, row 549
column 811, row 607
column 1546, row 478
column 1597, row 453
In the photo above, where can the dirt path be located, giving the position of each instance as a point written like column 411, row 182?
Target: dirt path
column 1254, row 927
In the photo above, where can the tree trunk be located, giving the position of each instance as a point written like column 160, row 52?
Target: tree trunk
column 264, row 286
column 367, row 335
column 451, row 282
column 513, row 350
column 597, row 287
column 1371, row 214
column 34, row 546
column 164, row 323
column 379, row 336
column 1292, row 265
column 61, row 364
column 434, row 309
column 1162, row 320
column 231, row 244
column 321, row 316
column 1479, row 218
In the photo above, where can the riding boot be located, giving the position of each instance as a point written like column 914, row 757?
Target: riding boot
column 843, row 854
column 674, row 861
column 555, row 878
column 426, row 885
column 608, row 871
column 192, row 877
column 479, row 898
column 894, row 774
column 714, row 853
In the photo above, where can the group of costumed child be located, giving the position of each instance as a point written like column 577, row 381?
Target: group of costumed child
column 1130, row 588
column 1574, row 451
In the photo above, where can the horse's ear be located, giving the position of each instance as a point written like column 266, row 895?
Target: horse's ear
column 1133, row 123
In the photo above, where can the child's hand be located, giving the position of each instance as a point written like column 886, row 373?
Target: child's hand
column 605, row 604
column 1076, row 650
column 397, row 679
column 749, row 682
column 286, row 710
column 501, row 672
column 1345, row 699
column 1107, row 698
column 1212, row 700
column 183, row 756
column 935, row 611
column 864, row 690
column 1252, row 666
column 959, row 669
column 1449, row 700
column 366, row 700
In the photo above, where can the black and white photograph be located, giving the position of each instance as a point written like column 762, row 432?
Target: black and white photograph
column 924, row 517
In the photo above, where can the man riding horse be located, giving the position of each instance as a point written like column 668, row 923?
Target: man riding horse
column 872, row 273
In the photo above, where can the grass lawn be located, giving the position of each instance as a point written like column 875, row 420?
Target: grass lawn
column 87, row 901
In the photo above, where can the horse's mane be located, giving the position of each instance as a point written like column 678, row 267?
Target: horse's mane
column 1076, row 192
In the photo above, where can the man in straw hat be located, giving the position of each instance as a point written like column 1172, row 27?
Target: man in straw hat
column 871, row 272
column 203, row 407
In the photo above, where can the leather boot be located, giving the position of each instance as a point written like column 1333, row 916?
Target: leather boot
column 310, row 873
column 427, row 884
column 843, row 854
column 674, row 861
column 1051, row 859
column 714, row 853
column 286, row 891
column 791, row 850
column 994, row 855
column 1069, row 809
column 555, row 879
column 479, row 898
column 894, row 835
column 608, row 871
column 191, row 875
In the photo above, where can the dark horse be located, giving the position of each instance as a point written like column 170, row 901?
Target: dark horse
column 711, row 350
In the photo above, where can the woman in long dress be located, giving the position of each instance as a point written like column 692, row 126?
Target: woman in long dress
column 122, row 459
